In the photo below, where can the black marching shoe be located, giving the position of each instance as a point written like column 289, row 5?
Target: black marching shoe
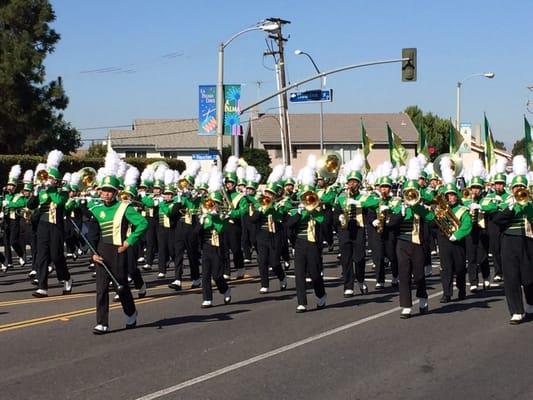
column 445, row 299
column 131, row 321
column 176, row 285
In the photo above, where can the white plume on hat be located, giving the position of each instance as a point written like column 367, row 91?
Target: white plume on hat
column 169, row 177
column 147, row 174
column 308, row 176
column 429, row 169
column 277, row 174
column 371, row 177
column 288, row 172
column 75, row 178
column 100, row 174
column 193, row 168
column 422, row 160
column 231, row 164
column 15, row 171
column 67, row 177
column 159, row 174
column 355, row 164
column 241, row 173
column 477, row 169
column 413, row 169
column 54, row 159
column 501, row 165
column 386, row 169
column 215, row 179
column 203, row 178
column 121, row 170
column 519, row 165
column 28, row 176
column 311, row 161
column 447, row 171
column 131, row 177
column 252, row 175
column 112, row 161
column 402, row 170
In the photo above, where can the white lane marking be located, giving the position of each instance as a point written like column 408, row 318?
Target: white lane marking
column 269, row 354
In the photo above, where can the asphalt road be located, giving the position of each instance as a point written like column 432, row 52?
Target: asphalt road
column 258, row 347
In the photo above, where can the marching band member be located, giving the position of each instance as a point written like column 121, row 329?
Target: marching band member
column 350, row 207
column 12, row 204
column 478, row 241
column 233, row 232
column 451, row 241
column 128, row 195
column 327, row 195
column 113, row 217
column 384, row 238
column 30, row 221
column 212, row 225
column 267, row 218
column 306, row 220
column 427, row 193
column 285, row 205
column 74, row 212
column 50, row 201
column 249, row 232
column 150, row 212
column 490, row 205
column 168, row 218
column 186, row 231
column 409, row 217
column 515, row 219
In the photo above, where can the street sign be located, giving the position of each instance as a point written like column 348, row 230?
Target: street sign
column 312, row 96
column 204, row 156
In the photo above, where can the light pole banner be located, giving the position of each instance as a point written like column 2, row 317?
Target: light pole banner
column 466, row 133
column 232, row 108
column 207, row 110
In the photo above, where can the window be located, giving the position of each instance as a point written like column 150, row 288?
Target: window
column 169, row 154
column 136, row 154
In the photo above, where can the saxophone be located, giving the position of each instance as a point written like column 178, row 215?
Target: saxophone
column 347, row 210
column 382, row 217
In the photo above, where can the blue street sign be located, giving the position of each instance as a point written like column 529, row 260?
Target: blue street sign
column 204, row 156
column 312, row 96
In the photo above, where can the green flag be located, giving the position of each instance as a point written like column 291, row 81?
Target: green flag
column 422, row 146
column 528, row 145
column 490, row 156
column 397, row 153
column 455, row 139
column 367, row 145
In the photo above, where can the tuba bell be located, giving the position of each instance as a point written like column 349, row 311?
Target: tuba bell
column 457, row 164
column 328, row 166
column 310, row 200
column 41, row 176
column 87, row 178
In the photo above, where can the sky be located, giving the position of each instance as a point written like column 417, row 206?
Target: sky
column 150, row 57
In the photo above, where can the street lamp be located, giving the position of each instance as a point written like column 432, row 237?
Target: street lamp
column 266, row 26
column 322, row 84
column 488, row 75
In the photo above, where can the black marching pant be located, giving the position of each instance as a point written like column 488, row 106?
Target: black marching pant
column 453, row 261
column 248, row 238
column 308, row 261
column 165, row 241
column 50, row 248
column 352, row 249
column 326, row 229
column 476, row 254
column 187, row 240
column 151, row 240
column 495, row 245
column 212, row 268
column 268, row 255
column 232, row 241
column 12, row 240
column 517, row 272
column 117, row 263
column 384, row 247
column 132, row 254
column 410, row 267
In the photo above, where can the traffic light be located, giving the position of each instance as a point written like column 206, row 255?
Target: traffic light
column 409, row 66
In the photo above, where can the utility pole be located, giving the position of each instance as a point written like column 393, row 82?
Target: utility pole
column 279, row 58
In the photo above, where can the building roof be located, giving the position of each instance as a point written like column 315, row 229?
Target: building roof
column 162, row 134
column 338, row 128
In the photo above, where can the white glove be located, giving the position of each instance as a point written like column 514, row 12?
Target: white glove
column 403, row 210
column 156, row 202
column 142, row 194
column 452, row 238
column 474, row 206
column 351, row 202
column 383, row 208
column 5, row 203
column 511, row 202
column 203, row 217
column 375, row 223
column 300, row 208
column 213, row 212
column 1, row 215
column 342, row 219
column 498, row 197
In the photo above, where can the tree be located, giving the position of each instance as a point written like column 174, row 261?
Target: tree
column 31, row 121
column 519, row 147
column 499, row 145
column 97, row 150
column 437, row 129
column 258, row 158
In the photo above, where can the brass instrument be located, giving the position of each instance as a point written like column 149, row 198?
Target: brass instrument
column 445, row 219
column 183, row 184
column 266, row 201
column 87, row 177
column 382, row 218
column 310, row 200
column 411, row 197
column 457, row 164
column 522, row 196
column 41, row 177
column 328, row 166
column 348, row 210
column 466, row 193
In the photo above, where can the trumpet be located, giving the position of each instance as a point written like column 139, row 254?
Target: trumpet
column 466, row 193
column 266, row 201
column 310, row 200
column 411, row 196
column 41, row 177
